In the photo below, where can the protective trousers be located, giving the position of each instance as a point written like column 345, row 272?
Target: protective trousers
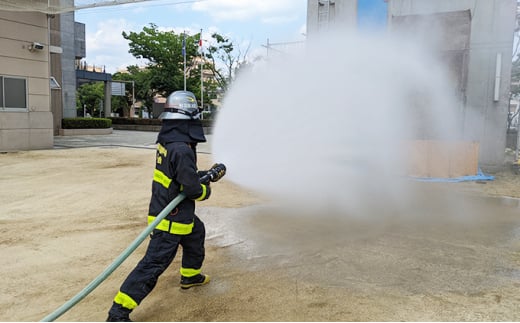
column 159, row 255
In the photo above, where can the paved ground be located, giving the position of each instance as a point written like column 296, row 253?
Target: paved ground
column 65, row 214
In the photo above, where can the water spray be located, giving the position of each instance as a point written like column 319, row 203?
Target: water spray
column 338, row 112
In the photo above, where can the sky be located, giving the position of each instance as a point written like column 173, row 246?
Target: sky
column 248, row 23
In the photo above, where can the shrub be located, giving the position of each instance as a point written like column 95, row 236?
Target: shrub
column 137, row 121
column 86, row 123
column 207, row 122
column 154, row 122
column 207, row 115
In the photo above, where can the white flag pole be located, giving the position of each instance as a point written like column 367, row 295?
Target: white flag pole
column 201, row 75
column 184, row 54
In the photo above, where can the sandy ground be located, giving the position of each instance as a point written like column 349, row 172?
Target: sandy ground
column 65, row 214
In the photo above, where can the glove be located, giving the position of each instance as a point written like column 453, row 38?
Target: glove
column 206, row 192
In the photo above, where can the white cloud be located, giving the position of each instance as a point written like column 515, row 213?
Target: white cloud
column 108, row 33
column 246, row 9
column 107, row 47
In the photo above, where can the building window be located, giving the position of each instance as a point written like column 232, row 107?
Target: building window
column 13, row 93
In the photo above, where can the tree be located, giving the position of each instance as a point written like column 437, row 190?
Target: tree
column 223, row 51
column 164, row 51
column 143, row 90
column 165, row 71
column 90, row 95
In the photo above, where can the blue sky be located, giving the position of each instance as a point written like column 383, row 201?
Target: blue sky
column 244, row 21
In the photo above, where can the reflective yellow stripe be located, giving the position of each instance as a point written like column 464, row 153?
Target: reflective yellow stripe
column 164, row 225
column 161, row 178
column 125, row 301
column 189, row 272
column 181, row 228
column 162, row 150
column 203, row 195
column 175, row 228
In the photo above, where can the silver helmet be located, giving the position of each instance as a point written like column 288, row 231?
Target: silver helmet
column 181, row 105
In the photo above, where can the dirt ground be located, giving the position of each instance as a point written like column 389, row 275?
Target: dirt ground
column 65, row 214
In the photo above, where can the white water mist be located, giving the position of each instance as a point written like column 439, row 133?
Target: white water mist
column 325, row 127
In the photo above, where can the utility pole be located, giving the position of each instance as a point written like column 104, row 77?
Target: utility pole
column 133, row 95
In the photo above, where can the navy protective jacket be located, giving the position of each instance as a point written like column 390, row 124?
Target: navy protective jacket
column 175, row 172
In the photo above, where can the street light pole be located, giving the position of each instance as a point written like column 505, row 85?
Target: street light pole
column 133, row 95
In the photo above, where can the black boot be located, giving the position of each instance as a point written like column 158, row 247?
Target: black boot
column 119, row 313
column 111, row 318
column 197, row 280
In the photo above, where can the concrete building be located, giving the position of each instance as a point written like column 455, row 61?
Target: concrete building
column 37, row 76
column 483, row 64
column 26, row 120
column 69, row 36
column 326, row 14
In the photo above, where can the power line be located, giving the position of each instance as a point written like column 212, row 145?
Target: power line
column 63, row 8
column 88, row 10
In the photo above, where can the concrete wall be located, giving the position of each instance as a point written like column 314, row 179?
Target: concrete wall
column 79, row 40
column 343, row 14
column 30, row 127
column 63, row 101
column 68, row 67
column 448, row 36
column 484, row 119
column 492, row 24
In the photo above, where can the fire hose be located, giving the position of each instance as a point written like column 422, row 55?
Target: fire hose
column 216, row 172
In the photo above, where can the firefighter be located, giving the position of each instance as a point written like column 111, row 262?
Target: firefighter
column 175, row 172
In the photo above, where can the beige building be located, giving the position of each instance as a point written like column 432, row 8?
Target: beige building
column 26, row 120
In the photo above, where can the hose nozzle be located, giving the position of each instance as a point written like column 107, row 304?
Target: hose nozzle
column 215, row 173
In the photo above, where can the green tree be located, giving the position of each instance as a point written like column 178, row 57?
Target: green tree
column 165, row 71
column 90, row 96
column 226, row 59
column 163, row 50
column 142, row 89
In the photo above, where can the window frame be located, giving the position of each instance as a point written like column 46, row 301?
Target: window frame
column 4, row 108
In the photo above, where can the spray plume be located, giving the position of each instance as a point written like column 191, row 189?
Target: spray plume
column 326, row 126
